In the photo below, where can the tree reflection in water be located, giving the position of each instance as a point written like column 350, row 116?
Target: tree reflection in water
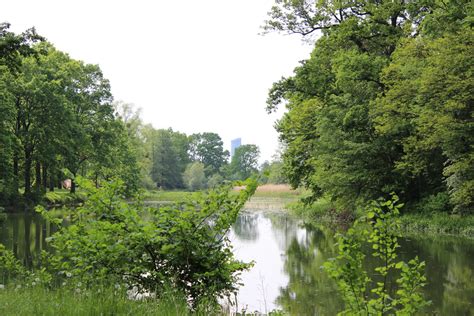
column 309, row 290
column 245, row 227
column 289, row 258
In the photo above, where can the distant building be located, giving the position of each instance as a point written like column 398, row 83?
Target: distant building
column 234, row 144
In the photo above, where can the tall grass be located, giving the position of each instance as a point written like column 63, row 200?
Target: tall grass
column 105, row 301
column 438, row 224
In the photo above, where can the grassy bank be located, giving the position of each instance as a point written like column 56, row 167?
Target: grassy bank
column 323, row 212
column 438, row 224
column 263, row 191
column 105, row 301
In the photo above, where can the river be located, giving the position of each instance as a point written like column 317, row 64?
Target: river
column 288, row 256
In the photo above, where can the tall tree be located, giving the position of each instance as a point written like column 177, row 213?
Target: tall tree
column 13, row 48
column 244, row 162
column 332, row 132
column 208, row 148
column 169, row 156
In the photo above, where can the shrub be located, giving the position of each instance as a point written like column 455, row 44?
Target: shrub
column 362, row 295
column 436, row 203
column 182, row 247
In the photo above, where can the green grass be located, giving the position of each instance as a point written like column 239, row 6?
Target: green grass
column 438, row 224
column 323, row 212
column 41, row 301
column 169, row 196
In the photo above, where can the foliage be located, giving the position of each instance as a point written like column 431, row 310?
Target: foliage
column 182, row 247
column 365, row 293
column 169, row 158
column 57, row 115
column 208, row 149
column 244, row 162
column 383, row 103
column 13, row 271
column 194, row 177
column 437, row 224
column 272, row 173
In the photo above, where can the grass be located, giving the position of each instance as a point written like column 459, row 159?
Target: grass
column 168, row 196
column 41, row 301
column 323, row 212
column 438, row 224
column 263, row 191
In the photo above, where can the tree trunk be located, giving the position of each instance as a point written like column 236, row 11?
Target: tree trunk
column 73, row 184
column 38, row 178
column 27, row 176
column 58, row 179
column 15, row 174
column 45, row 177
column 51, row 183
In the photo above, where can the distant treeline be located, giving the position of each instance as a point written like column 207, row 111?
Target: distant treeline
column 58, row 120
column 384, row 104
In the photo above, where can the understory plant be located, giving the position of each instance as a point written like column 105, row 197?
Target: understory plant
column 392, row 287
column 152, row 250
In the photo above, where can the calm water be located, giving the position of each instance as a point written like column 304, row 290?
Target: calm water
column 288, row 257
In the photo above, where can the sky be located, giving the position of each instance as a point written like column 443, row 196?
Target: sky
column 194, row 66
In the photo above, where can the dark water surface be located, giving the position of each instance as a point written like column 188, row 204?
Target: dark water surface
column 288, row 257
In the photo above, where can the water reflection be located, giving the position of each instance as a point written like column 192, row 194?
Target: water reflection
column 288, row 257
column 287, row 273
column 25, row 234
column 246, row 227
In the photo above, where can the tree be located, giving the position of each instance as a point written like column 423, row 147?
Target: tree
column 208, row 149
column 244, row 162
column 333, row 134
column 170, row 158
column 428, row 108
column 13, row 48
column 194, row 177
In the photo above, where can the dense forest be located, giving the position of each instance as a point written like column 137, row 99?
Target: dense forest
column 59, row 120
column 384, row 104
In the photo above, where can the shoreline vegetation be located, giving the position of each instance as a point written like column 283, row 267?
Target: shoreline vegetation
column 321, row 212
column 324, row 213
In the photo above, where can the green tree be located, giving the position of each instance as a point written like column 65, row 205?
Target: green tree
column 333, row 135
column 170, row 157
column 363, row 296
column 109, row 241
column 427, row 108
column 244, row 162
column 13, row 49
column 208, row 148
column 194, row 177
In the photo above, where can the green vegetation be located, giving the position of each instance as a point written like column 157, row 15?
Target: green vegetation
column 59, row 121
column 383, row 104
column 363, row 293
column 244, row 163
column 111, row 243
column 26, row 301
column 438, row 224
column 169, row 196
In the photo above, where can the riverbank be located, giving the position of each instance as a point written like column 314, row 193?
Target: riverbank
column 323, row 212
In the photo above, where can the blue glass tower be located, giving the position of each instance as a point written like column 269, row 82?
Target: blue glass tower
column 234, row 144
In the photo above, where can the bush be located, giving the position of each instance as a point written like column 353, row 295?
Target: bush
column 436, row 203
column 194, row 177
column 361, row 293
column 182, row 247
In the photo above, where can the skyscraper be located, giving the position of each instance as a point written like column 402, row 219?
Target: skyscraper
column 234, row 144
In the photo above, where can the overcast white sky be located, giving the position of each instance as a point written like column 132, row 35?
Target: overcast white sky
column 195, row 66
